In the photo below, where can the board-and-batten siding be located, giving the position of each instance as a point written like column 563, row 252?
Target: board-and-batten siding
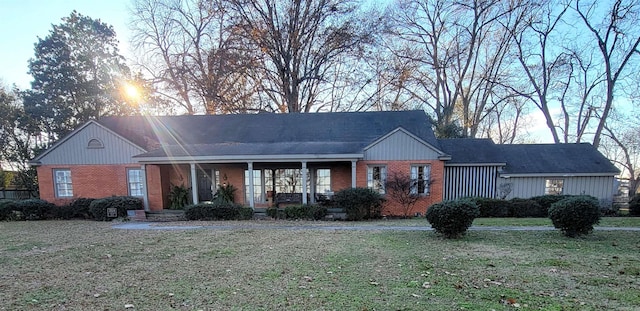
column 470, row 181
column 75, row 151
column 600, row 187
column 400, row 146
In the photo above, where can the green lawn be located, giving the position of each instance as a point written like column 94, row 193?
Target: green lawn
column 85, row 265
column 604, row 222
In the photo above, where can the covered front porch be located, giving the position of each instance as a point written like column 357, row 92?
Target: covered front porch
column 258, row 184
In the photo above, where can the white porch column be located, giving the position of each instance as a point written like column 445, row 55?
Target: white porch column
column 145, row 193
column 312, row 191
column 251, row 190
column 194, row 184
column 353, row 174
column 304, row 182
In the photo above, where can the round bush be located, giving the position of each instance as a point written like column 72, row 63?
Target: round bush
column 359, row 203
column 634, row 205
column 452, row 218
column 575, row 216
column 98, row 208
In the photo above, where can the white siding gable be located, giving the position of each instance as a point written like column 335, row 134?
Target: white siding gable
column 400, row 145
column 89, row 145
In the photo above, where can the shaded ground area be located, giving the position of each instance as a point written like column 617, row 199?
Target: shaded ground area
column 349, row 227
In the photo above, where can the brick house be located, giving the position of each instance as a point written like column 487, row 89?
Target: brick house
column 267, row 156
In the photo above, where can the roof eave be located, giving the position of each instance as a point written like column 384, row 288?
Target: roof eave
column 477, row 164
column 251, row 158
column 606, row 174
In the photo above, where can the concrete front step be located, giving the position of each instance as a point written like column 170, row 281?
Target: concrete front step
column 166, row 215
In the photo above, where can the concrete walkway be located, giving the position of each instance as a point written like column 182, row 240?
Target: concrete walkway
column 293, row 226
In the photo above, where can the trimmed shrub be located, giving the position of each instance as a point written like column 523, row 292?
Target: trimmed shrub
column 526, row 208
column 246, row 213
column 452, row 218
column 277, row 213
column 78, row 208
column 217, row 210
column 9, row 210
column 359, row 203
column 575, row 216
column 307, row 212
column 98, row 208
column 493, row 207
column 35, row 209
column 634, row 205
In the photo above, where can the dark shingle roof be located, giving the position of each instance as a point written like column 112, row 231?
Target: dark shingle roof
column 471, row 151
column 555, row 158
column 266, row 133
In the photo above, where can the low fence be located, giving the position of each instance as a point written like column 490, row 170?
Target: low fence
column 16, row 194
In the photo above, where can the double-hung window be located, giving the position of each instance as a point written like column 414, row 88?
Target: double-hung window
column 63, row 184
column 420, row 179
column 323, row 180
column 553, row 186
column 134, row 179
column 377, row 177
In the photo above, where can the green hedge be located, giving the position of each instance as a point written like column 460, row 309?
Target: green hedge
column 575, row 216
column 35, row 209
column 217, row 210
column 522, row 208
column 517, row 207
column 634, row 205
column 9, row 210
column 301, row 212
column 452, row 218
column 359, row 203
column 493, row 207
column 98, row 208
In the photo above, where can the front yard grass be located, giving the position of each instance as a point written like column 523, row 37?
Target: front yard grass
column 86, row 265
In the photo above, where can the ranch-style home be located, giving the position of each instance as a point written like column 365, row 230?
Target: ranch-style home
column 303, row 158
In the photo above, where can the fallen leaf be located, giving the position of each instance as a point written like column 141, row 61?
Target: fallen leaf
column 128, row 306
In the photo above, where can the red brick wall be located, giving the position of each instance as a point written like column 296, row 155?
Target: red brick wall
column 89, row 181
column 340, row 177
column 404, row 167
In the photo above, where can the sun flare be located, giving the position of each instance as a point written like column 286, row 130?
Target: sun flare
column 131, row 91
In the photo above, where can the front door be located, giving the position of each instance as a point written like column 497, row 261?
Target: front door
column 205, row 183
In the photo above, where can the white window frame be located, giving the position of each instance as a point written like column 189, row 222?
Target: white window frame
column 377, row 184
column 139, row 183
column 416, row 180
column 317, row 181
column 62, row 182
column 554, row 186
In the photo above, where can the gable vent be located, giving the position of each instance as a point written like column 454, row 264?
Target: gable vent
column 95, row 144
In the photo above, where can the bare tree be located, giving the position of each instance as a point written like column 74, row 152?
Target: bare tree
column 460, row 50
column 403, row 190
column 621, row 144
column 617, row 35
column 299, row 42
column 542, row 62
column 195, row 55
